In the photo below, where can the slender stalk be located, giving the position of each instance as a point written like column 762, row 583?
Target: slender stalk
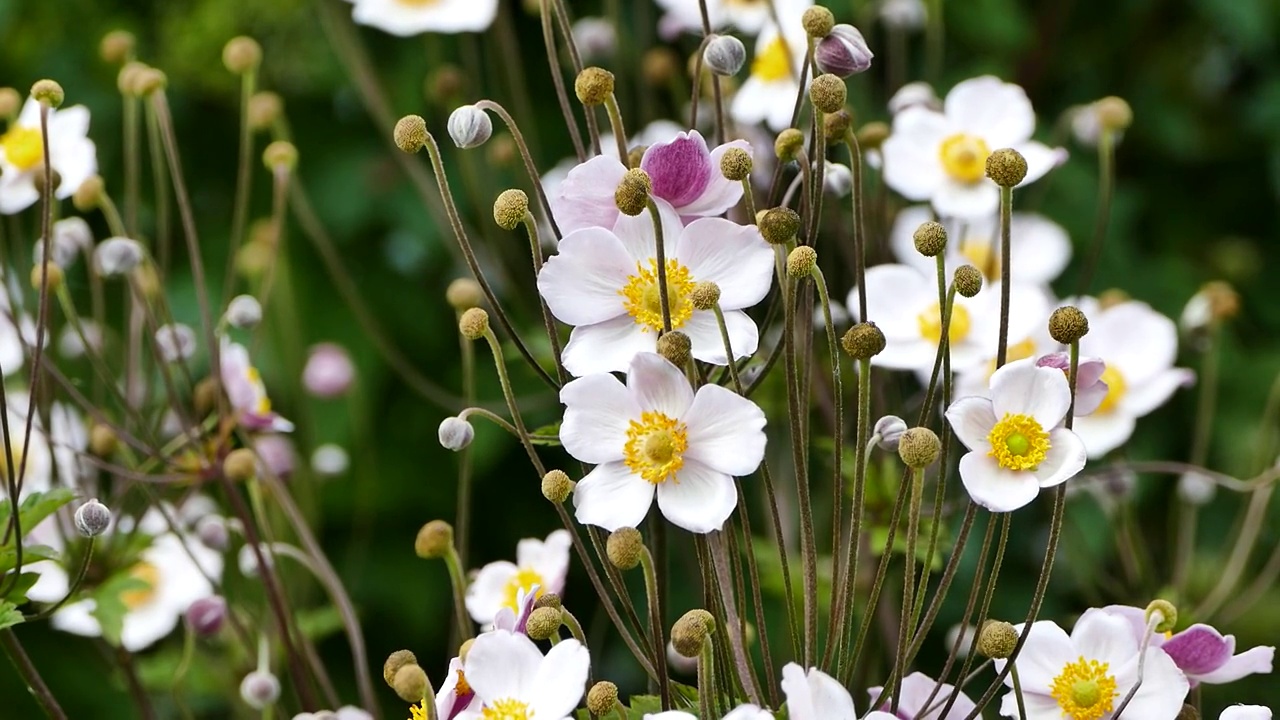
column 799, row 452
column 661, row 259
column 859, row 227
column 244, row 181
column 30, row 676
column 1188, row 513
column 656, row 631
column 459, row 582
column 742, row 662
column 1006, row 215
column 1106, row 189
column 530, row 168
column 615, row 123
column 462, row 517
column 1017, row 692
column 566, row 108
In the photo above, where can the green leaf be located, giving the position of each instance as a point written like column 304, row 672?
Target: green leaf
column 18, row 595
column 548, row 435
column 109, row 604
column 30, row 554
column 37, row 507
column 9, row 614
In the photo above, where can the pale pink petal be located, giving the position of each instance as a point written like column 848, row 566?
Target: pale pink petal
column 583, row 281
column 698, row 499
column 721, row 193
column 725, row 431
column 501, row 664
column 1163, row 689
column 680, row 169
column 611, row 496
column 585, row 197
column 598, row 411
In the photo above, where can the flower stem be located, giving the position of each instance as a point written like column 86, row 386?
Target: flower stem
column 1006, row 215
column 459, row 582
column 656, row 631
column 661, row 255
column 30, row 676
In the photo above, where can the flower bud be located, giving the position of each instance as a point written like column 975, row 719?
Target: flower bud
column 736, row 164
column 779, row 225
column 473, row 324
column 240, row 464
column 276, row 456
column 817, row 21
column 543, row 623
column 148, row 80
column 704, row 295
column 510, row 208
column 1006, row 167
column 102, row 440
column 394, row 662
column 843, row 52
column 117, row 256
column 930, row 238
column 835, row 125
column 116, row 46
column 244, row 312
column 968, row 280
column 658, row 66
column 410, row 133
column 690, row 632
column 329, row 372
column 1164, row 613
column 206, row 615
column 1068, row 324
column 456, row 433
column 872, row 135
column 625, row 548
column 801, row 262
column 92, row 518
column 602, row 698
column 470, row 127
column 632, row 195
column 889, row 429
column 463, row 293
column 676, row 347
column 330, row 460
column 919, row 447
column 863, row 341
column 410, row 683
column 264, row 109
column 593, row 86
column 10, row 102
column 548, row 600
column 1114, row 113
column 241, row 54
column 176, row 342
column 725, row 55
column 828, row 93
column 1196, row 488
column 48, row 92
column 904, row 14
column 89, row 194
column 997, row 640
column 837, row 179
column 213, row 532
column 48, row 272
column 787, row 144
column 434, row 540
column 280, row 154
column 259, row 689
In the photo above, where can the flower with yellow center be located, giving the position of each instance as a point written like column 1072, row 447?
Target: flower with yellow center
column 455, row 695
column 941, row 156
column 773, row 63
column 749, row 16
column 414, row 17
column 605, row 283
column 768, row 94
column 509, row 589
column 514, row 681
column 23, row 147
column 247, row 392
column 654, row 437
column 1015, row 442
column 1087, row 674
column 931, row 324
column 72, row 155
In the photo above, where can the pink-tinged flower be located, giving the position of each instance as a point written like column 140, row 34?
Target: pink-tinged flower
column 655, row 437
column 605, row 283
column 685, row 174
column 540, row 567
column 942, row 156
column 275, row 454
column 329, row 371
column 245, row 390
column 512, row 679
column 1202, row 653
column 1015, row 440
column 1091, row 389
column 455, row 695
column 1086, row 675
column 917, row 689
column 843, row 52
column 516, row 619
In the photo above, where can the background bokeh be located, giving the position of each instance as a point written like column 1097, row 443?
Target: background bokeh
column 1198, row 177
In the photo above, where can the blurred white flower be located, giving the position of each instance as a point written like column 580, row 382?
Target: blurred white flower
column 71, row 153
column 595, row 38
column 540, row 567
column 512, row 679
column 769, row 93
column 412, row 17
column 330, row 460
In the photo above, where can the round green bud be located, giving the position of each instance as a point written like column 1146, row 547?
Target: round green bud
column 473, row 324
column 556, row 486
column 10, row 102
column 48, row 92
column 1114, row 113
column 264, row 109
column 836, row 124
column 395, row 661
column 788, row 143
column 241, row 54
column 548, row 600
column 510, row 208
column 543, row 623
column 624, row 548
column 1006, row 167
column 801, row 262
column 872, row 135
column 635, row 155
column 593, row 85
column 240, row 464
column 658, row 66
column 735, row 164
column 280, row 154
column 632, row 195
column 930, row 238
column 102, row 440
column 817, row 21
column 148, row 80
column 997, row 639
column 410, row 134
column 863, row 341
column 602, row 698
column 463, row 293
column 47, row 271
column 968, row 280
column 434, row 540
column 410, row 683
column 676, row 347
column 89, row 194
column 691, row 631
column 116, row 46
column 919, row 447
column 1068, row 324
column 779, row 225
column 828, row 93
column 705, row 295
column 1164, row 613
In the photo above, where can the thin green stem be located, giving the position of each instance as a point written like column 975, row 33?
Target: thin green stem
column 1106, row 189
column 1006, row 271
column 656, row 630
column 459, row 582
column 30, row 676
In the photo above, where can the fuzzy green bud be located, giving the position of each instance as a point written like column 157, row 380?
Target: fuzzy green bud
column 788, row 143
column 828, row 93
column 10, row 102
column 116, row 46
column 394, row 662
column 48, row 92
column 1006, row 167
column 543, row 623
column 624, row 548
column 836, row 124
column 593, row 86
column 463, row 293
column 872, row 135
column 919, row 447
column 676, row 347
column 863, row 341
column 240, row 464
column 1114, row 113
column 801, row 262
column 434, row 540
column 548, row 600
column 705, row 295
column 410, row 134
column 410, row 683
column 817, row 21
column 1068, row 324
column 473, row 324
column 102, row 440
column 930, row 238
column 1164, row 613
column 510, row 208
column 264, row 109
column 997, row 639
column 148, row 80
column 556, row 486
column 280, row 154
column 691, row 631
column 779, row 225
column 241, row 54
column 968, row 280
column 632, row 195
column 602, row 698
column 735, row 164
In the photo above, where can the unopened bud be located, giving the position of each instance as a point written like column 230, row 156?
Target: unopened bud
column 47, row 272
column 148, row 80
column 602, row 698
column 705, row 295
column 473, row 324
column 1114, row 113
column 510, row 208
column 410, row 683
column 863, row 341
column 801, row 262
column 1006, row 167
column 116, row 46
column 725, row 55
column 240, row 465
column 469, row 127
column 543, row 623
column 691, row 631
column 259, row 689
column 213, row 532
column 89, row 194
column 329, row 372
column 787, row 144
column 102, row 440
column 889, row 429
column 676, row 347
column 434, row 540
column 410, row 133
column 206, row 615
column 394, row 662
column 264, row 109
column 175, row 342
column 463, row 293
column 593, row 86
column 968, row 280
column 548, row 600
column 835, row 125
column 632, row 194
column 243, row 312
column 930, row 238
column 919, row 447
column 10, row 102
column 1068, row 324
column 1164, row 613
column 241, row 54
column 872, row 135
column 48, row 92
column 779, row 225
column 456, row 433
column 92, row 518
column 736, row 164
column 624, row 548
column 843, row 52
column 997, row 639
column 280, row 154
column 817, row 21
column 828, row 93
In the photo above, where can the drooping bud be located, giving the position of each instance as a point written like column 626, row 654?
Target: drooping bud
column 624, row 548
column 48, row 92
column 593, row 86
column 676, row 347
column 434, row 540
column 889, row 429
column 836, row 124
column 1164, row 613
column 213, row 532
column 725, row 55
column 828, row 93
column 463, row 293
column 548, row 600
column 116, row 46
column 49, row 272
column 470, row 127
column 240, row 464
column 176, row 342
column 244, row 312
column 259, row 689
column 1006, row 167
column 968, row 280
column 872, row 135
column 843, row 52
column 410, row 133
column 329, row 372
column 602, row 698
column 863, row 341
column 801, row 262
column 690, row 632
column 455, row 433
column 241, row 54
column 394, row 662
column 837, row 179
column 787, row 144
column 280, row 154
column 102, row 440
column 473, row 324
column 704, row 295
column 556, row 486
column 148, row 80
column 919, row 447
column 543, row 623
column 89, row 194
column 735, row 164
column 264, row 109
column 410, row 683
column 930, row 238
column 1114, row 113
column 632, row 195
column 779, row 225
column 206, row 616
column 92, row 518
column 1068, row 324
column 510, row 208
column 10, row 102
column 997, row 639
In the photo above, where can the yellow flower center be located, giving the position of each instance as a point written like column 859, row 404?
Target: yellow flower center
column 506, row 709
column 463, row 687
column 1017, row 351
column 1084, row 690
column 147, row 573
column 23, row 147
column 419, row 712
column 931, row 324
column 978, row 251
column 655, row 447
column 15, row 454
column 524, row 579
column 642, row 296
column 1018, row 442
column 1115, row 389
column 773, row 63
column 964, row 157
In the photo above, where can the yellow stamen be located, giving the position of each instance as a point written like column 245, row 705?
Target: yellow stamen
column 524, row 579
column 931, row 324
column 773, row 63
column 1084, row 690
column 978, row 251
column 23, row 147
column 642, row 296
column 1115, row 389
column 1018, row 442
column 463, row 687
column 419, row 712
column 506, row 709
column 655, row 447
column 147, row 573
column 964, row 157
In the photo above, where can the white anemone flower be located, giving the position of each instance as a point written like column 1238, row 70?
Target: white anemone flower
column 1016, row 445
column 815, row 695
column 512, row 679
column 903, row 303
column 742, row 712
column 1087, row 674
column 749, row 16
column 655, row 436
column 605, row 283
column 942, row 156
column 71, row 153
column 540, row 567
column 412, row 17
column 1139, row 347
column 1039, row 248
column 769, row 93
column 173, row 572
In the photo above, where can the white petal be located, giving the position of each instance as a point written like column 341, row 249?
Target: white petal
column 1039, row 248
column 561, row 678
column 550, row 558
column 725, row 431
column 972, row 419
column 17, row 192
column 607, row 346
column 815, row 695
column 658, row 386
column 912, row 166
column 1038, row 707
column 1099, row 635
column 585, row 197
column 732, row 256
column 1134, row 339
column 1065, row 458
column 1040, row 160
column 1046, row 651
column 707, row 344
column 487, row 593
column 993, row 487
column 77, row 618
column 611, row 496
column 1246, row 712
column 748, row 712
column 1140, row 400
column 502, row 664
column 896, row 295
column 907, row 354
column 598, row 411
column 994, row 110
column 698, row 499
column 966, row 200
column 1104, row 432
column 583, row 281
column 637, row 235
column 1024, row 389
column 1163, row 689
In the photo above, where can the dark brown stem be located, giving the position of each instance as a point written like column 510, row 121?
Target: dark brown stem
column 31, row 676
